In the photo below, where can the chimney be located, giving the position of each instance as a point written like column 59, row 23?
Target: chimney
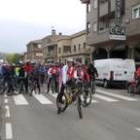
column 53, row 32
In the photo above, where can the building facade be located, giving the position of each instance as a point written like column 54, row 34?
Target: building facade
column 101, row 16
column 49, row 45
column 34, row 51
column 24, row 57
column 74, row 47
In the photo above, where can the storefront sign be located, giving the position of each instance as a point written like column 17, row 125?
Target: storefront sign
column 117, row 33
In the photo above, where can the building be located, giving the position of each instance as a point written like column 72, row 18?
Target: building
column 49, row 45
column 24, row 57
column 34, row 51
column 101, row 16
column 74, row 47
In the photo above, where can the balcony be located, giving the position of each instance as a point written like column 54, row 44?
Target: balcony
column 75, row 53
column 85, row 1
column 99, row 38
column 51, row 54
column 106, row 8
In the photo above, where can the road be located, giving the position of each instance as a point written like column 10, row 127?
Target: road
column 113, row 115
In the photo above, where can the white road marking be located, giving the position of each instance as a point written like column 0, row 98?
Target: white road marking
column 20, row 100
column 138, row 129
column 9, row 133
column 53, row 94
column 42, row 99
column 105, row 98
column 7, row 111
column 116, row 95
column 94, row 101
column 6, row 101
column 5, row 95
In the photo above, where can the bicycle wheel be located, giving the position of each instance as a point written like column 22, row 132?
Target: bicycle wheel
column 131, row 89
column 79, row 107
column 86, row 98
column 30, row 88
column 61, row 103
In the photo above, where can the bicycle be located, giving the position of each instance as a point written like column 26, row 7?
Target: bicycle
column 33, row 87
column 3, row 85
column 133, row 88
column 86, row 95
column 68, row 98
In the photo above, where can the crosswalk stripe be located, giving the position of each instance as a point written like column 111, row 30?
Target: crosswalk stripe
column 6, row 101
column 7, row 111
column 42, row 99
column 54, row 95
column 138, row 129
column 115, row 95
column 20, row 100
column 88, row 99
column 9, row 133
column 94, row 101
column 105, row 98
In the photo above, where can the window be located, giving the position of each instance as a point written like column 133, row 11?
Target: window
column 79, row 47
column 59, row 50
column 88, row 27
column 88, row 7
column 94, row 27
column 95, row 4
column 39, row 46
column 66, row 49
column 74, row 49
column 136, row 12
column 103, row 1
column 84, row 45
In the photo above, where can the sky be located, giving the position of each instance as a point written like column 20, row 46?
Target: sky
column 24, row 20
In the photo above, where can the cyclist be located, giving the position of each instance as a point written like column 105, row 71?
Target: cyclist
column 92, row 71
column 53, row 72
column 34, row 77
column 8, row 74
column 64, row 77
column 28, row 68
column 42, row 72
column 1, row 69
column 22, row 75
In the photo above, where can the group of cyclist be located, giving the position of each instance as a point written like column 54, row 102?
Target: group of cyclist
column 40, row 73
column 21, row 73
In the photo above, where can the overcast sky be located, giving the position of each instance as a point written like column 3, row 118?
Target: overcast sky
column 24, row 20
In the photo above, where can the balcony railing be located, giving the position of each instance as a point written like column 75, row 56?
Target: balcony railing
column 83, row 51
column 51, row 54
column 85, row 1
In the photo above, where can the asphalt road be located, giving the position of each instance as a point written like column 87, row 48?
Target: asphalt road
column 113, row 115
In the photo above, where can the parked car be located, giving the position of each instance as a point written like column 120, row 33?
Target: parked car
column 114, row 71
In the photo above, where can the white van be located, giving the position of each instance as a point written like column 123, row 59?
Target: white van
column 114, row 71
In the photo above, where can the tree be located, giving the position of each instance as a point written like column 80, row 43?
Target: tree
column 13, row 58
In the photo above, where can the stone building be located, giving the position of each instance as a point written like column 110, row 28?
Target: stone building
column 34, row 51
column 74, row 47
column 49, row 45
column 101, row 17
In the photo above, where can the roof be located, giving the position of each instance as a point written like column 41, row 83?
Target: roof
column 78, row 34
column 54, row 38
column 35, row 41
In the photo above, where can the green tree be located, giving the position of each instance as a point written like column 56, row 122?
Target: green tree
column 13, row 58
